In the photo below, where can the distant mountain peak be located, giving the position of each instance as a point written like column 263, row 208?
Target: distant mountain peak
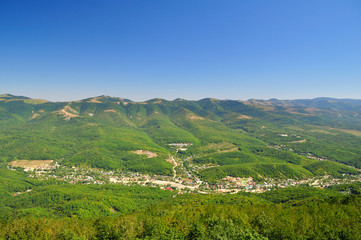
column 10, row 96
column 106, row 99
column 156, row 100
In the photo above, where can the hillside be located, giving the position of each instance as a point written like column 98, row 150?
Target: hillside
column 259, row 138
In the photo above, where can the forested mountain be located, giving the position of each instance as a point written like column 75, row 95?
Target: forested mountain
column 258, row 138
column 155, row 169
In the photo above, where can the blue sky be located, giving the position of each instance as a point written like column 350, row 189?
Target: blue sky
column 192, row 49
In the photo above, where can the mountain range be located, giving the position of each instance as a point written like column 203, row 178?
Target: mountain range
column 259, row 138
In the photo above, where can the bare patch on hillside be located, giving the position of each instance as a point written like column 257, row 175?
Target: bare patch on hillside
column 244, row 117
column 170, row 160
column 148, row 153
column 35, row 115
column 94, row 100
column 110, row 110
column 71, row 109
column 30, row 165
column 66, row 112
column 194, row 117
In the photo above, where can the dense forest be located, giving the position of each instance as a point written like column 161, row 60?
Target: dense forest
column 62, row 211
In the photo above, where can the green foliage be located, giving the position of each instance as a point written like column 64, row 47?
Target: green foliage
column 331, row 168
column 228, row 158
column 353, row 188
column 83, row 201
column 275, row 154
column 164, row 131
column 258, row 171
column 296, row 194
column 305, row 214
column 250, row 155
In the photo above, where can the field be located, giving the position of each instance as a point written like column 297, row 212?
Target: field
column 30, row 165
column 149, row 154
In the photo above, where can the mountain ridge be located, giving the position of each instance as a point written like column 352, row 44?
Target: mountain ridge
column 104, row 132
column 182, row 99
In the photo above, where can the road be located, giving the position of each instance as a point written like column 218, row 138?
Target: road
column 175, row 165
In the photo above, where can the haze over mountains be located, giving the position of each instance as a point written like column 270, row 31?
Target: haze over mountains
column 258, row 138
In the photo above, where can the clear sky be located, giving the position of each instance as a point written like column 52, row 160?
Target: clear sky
column 192, row 49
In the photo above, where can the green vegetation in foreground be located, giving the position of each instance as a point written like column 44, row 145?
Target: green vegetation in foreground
column 84, row 201
column 293, row 213
column 55, row 199
column 52, row 210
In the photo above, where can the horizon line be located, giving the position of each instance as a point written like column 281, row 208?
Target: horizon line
column 179, row 98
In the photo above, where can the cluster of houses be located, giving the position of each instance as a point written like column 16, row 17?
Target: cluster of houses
column 18, row 193
column 185, row 182
column 180, row 146
column 310, row 155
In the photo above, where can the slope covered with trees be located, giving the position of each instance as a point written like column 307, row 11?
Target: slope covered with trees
column 265, row 138
column 63, row 211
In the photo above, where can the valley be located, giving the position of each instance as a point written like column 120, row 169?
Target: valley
column 111, row 168
column 191, row 184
